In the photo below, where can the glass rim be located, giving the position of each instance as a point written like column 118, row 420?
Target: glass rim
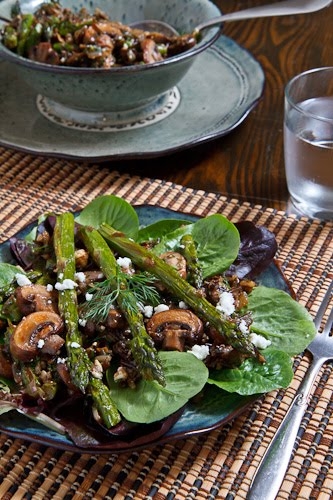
column 299, row 108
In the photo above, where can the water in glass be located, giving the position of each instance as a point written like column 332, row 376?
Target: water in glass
column 309, row 156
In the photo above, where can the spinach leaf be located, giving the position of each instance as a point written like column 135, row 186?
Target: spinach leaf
column 252, row 377
column 282, row 320
column 217, row 241
column 112, row 210
column 7, row 274
column 157, row 230
column 149, row 402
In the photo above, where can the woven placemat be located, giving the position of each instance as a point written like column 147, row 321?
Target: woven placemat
column 215, row 465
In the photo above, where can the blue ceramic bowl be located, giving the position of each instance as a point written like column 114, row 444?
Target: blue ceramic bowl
column 119, row 89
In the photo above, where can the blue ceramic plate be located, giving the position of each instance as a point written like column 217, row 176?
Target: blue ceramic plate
column 209, row 412
column 215, row 96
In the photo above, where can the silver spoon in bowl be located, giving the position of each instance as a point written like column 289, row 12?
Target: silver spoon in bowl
column 289, row 7
column 285, row 8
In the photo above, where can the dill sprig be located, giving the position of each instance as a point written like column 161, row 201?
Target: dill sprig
column 105, row 294
column 142, row 287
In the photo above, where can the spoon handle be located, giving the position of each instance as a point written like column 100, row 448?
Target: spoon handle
column 289, row 7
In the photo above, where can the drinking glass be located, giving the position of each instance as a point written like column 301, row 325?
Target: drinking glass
column 308, row 142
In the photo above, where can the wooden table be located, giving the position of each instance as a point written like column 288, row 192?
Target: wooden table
column 249, row 163
column 222, row 176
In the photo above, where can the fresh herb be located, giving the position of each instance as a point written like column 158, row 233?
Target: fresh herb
column 142, row 287
column 104, row 295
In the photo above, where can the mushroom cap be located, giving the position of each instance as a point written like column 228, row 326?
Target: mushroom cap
column 38, row 326
column 35, row 297
column 176, row 260
column 175, row 328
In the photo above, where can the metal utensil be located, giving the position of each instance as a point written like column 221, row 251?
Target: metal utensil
column 270, row 473
column 289, row 7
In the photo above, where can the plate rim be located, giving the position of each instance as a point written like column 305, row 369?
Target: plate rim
column 204, row 137
column 64, row 442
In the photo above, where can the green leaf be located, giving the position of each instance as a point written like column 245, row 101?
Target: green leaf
column 114, row 211
column 216, row 238
column 157, row 230
column 253, row 377
column 217, row 242
column 185, row 376
column 282, row 320
column 7, row 274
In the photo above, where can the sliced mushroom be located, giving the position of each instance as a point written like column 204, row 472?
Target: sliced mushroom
column 176, row 260
column 175, row 328
column 40, row 331
column 32, row 298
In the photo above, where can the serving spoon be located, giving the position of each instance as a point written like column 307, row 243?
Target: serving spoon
column 289, row 7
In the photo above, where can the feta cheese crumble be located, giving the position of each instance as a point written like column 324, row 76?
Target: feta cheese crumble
column 22, row 279
column 49, row 287
column 40, row 343
column 148, row 311
column 200, row 351
column 182, row 305
column 124, row 262
column 226, row 303
column 243, row 327
column 89, row 296
column 67, row 284
column 161, row 308
column 82, row 322
column 74, row 344
column 259, row 341
column 81, row 277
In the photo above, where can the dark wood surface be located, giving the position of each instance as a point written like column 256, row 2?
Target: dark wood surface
column 249, row 163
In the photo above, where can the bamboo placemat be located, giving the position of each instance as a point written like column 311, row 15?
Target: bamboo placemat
column 216, row 465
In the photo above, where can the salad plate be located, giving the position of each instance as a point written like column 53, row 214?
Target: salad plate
column 211, row 410
column 216, row 95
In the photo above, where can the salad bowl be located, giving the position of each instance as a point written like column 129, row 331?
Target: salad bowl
column 118, row 93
